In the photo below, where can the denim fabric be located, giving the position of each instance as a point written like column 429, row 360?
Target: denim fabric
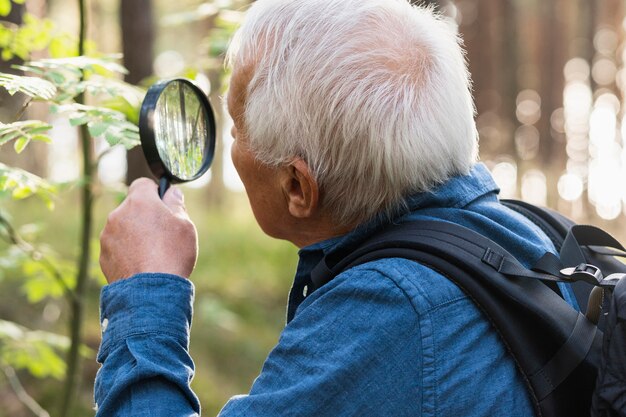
column 387, row 338
column 145, row 322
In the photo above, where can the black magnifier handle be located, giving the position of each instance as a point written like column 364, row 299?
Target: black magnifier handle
column 164, row 185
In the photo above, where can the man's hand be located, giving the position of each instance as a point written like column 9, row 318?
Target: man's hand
column 145, row 234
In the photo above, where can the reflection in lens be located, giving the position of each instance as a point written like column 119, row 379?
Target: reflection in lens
column 180, row 130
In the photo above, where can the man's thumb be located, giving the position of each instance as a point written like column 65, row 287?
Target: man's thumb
column 175, row 201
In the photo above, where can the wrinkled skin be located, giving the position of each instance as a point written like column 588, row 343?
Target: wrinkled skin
column 147, row 234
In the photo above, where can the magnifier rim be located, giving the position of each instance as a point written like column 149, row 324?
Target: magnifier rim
column 148, row 137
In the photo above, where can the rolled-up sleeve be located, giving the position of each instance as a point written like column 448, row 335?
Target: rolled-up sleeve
column 146, row 368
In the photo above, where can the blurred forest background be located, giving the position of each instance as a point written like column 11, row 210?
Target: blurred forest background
column 549, row 83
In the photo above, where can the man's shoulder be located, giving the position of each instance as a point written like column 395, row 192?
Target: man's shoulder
column 421, row 286
column 398, row 305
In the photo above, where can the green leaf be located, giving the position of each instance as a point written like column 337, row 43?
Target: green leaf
column 21, row 144
column 33, row 350
column 7, row 55
column 62, row 46
column 41, row 282
column 56, row 77
column 116, row 89
column 82, row 63
column 21, row 184
column 31, row 86
column 24, row 132
column 9, row 135
column 97, row 129
column 112, row 138
column 20, row 193
column 79, row 119
column 41, row 138
column 5, row 7
column 122, row 105
column 130, row 141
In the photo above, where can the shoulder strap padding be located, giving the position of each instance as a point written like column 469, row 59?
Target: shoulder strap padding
column 523, row 311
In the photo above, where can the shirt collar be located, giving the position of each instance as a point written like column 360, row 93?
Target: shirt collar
column 457, row 192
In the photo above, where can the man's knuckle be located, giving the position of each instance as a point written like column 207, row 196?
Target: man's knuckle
column 182, row 225
column 111, row 219
column 142, row 186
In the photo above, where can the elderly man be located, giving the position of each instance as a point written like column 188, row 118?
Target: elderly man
column 349, row 115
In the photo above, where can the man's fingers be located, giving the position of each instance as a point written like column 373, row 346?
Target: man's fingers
column 175, row 201
column 143, row 185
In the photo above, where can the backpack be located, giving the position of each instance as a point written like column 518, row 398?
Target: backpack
column 570, row 368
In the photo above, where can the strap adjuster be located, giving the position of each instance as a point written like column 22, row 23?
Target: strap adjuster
column 584, row 272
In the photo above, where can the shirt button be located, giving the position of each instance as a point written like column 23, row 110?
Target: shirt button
column 105, row 324
column 305, row 290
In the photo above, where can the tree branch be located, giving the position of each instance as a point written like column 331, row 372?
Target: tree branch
column 21, row 393
column 13, row 238
column 87, row 197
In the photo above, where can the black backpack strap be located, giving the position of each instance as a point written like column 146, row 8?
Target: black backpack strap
column 551, row 222
column 399, row 241
column 577, row 245
column 548, row 339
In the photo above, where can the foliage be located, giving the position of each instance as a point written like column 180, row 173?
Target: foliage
column 6, row 6
column 32, row 36
column 110, row 111
column 34, row 350
column 63, row 82
column 59, row 82
column 19, row 184
column 226, row 23
column 31, row 86
column 49, row 279
column 110, row 124
column 23, row 132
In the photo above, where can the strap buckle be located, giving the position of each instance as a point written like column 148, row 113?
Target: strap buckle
column 584, row 272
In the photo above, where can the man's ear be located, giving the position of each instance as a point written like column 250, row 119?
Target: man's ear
column 300, row 189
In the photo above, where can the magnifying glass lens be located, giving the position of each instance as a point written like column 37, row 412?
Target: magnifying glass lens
column 181, row 131
column 177, row 130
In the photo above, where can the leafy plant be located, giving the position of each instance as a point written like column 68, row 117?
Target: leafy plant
column 87, row 92
column 33, row 35
column 20, row 184
column 34, row 350
column 6, row 6
column 102, row 122
column 31, row 86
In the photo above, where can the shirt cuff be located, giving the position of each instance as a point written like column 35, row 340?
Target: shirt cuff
column 150, row 303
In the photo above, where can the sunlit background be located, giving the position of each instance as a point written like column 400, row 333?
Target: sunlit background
column 549, row 85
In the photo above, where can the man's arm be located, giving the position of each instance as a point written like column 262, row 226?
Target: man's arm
column 146, row 368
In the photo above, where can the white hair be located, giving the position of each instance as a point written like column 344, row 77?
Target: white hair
column 373, row 94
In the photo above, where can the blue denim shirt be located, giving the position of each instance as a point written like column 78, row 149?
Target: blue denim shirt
column 386, row 338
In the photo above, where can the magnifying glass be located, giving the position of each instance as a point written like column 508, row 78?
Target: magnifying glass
column 177, row 131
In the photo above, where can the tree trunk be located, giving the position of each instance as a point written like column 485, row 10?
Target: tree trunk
column 137, row 43
column 553, row 59
column 509, row 87
column 10, row 105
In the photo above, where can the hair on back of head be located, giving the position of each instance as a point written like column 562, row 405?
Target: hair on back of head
column 373, row 94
